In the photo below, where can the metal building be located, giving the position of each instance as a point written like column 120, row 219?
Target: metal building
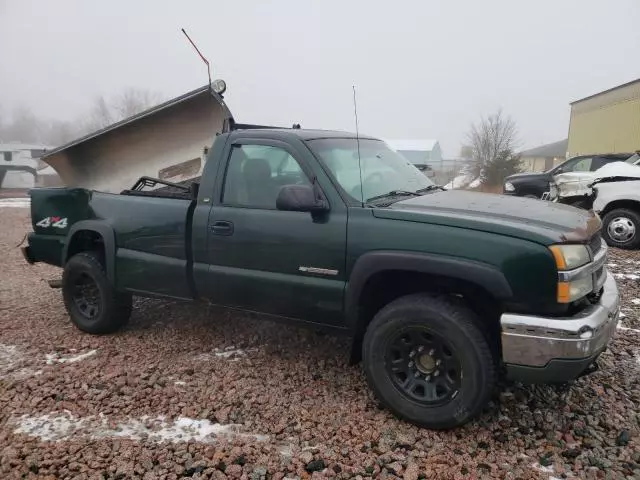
column 607, row 122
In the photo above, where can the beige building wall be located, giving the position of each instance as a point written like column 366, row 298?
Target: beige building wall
column 539, row 164
column 532, row 164
column 608, row 122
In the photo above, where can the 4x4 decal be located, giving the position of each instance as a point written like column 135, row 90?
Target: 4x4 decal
column 56, row 222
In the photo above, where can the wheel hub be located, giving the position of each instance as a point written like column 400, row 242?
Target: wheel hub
column 621, row 229
column 86, row 296
column 423, row 367
column 425, row 363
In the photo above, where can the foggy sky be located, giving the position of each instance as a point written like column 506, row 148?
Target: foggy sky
column 422, row 69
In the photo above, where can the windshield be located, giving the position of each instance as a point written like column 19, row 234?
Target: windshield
column 633, row 159
column 383, row 170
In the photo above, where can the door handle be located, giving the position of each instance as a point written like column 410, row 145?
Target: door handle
column 222, row 227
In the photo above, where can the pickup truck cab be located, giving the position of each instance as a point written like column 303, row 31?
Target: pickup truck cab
column 441, row 291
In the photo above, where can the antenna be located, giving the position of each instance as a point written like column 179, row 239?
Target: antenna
column 201, row 56
column 355, row 112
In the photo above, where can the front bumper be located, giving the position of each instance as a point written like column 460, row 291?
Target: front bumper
column 552, row 350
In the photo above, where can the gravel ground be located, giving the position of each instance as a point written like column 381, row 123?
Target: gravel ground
column 188, row 391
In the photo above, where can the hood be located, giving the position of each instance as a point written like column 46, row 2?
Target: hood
column 534, row 220
column 617, row 169
column 525, row 175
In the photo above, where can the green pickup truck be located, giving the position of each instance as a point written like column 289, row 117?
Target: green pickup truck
column 442, row 291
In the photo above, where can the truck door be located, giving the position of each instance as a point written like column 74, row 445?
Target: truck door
column 290, row 264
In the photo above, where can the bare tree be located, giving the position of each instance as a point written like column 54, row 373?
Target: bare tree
column 493, row 139
column 24, row 126
column 133, row 101
column 105, row 112
column 99, row 115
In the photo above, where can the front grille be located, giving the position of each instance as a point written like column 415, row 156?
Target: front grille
column 595, row 243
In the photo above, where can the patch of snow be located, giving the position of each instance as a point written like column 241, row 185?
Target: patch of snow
column 612, row 264
column 541, row 468
column 461, row 181
column 11, row 360
column 179, row 382
column 286, row 450
column 231, row 353
column 57, row 358
column 475, row 183
column 15, row 202
column 57, row 427
column 635, row 301
column 628, row 276
column 626, row 329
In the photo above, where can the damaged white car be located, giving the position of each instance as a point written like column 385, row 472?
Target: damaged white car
column 573, row 187
column 615, row 196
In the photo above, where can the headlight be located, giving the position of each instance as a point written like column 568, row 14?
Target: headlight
column 568, row 257
column 575, row 289
column 508, row 187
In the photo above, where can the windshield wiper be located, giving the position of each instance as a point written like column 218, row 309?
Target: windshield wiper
column 394, row 193
column 429, row 188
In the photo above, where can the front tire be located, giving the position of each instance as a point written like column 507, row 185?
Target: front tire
column 428, row 362
column 89, row 297
column 621, row 228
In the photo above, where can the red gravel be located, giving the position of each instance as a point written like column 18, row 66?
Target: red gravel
column 288, row 384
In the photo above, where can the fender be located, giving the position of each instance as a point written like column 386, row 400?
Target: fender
column 481, row 274
column 108, row 236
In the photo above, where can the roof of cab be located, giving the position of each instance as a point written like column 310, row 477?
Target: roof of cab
column 303, row 134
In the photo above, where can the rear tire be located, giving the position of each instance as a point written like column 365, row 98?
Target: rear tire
column 89, row 297
column 621, row 228
column 415, row 352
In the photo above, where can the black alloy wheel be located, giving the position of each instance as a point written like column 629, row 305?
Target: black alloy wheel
column 423, row 366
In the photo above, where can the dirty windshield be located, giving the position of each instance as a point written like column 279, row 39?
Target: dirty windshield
column 383, row 170
column 633, row 159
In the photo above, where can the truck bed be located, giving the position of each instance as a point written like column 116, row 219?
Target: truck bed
column 151, row 234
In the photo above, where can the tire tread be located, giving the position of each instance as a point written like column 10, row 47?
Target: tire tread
column 118, row 306
column 456, row 310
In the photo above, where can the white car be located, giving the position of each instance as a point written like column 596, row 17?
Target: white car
column 616, row 199
column 573, row 186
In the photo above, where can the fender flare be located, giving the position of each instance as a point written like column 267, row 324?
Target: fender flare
column 108, row 237
column 485, row 276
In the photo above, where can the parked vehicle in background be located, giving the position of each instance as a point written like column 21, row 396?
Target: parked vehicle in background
column 573, row 187
column 615, row 197
column 442, row 291
column 544, row 185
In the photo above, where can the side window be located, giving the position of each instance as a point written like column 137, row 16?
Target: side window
column 598, row 162
column 255, row 174
column 583, row 165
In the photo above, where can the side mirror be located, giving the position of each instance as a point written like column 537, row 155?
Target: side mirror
column 300, row 198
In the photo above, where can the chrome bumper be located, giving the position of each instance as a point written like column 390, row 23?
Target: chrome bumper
column 536, row 341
